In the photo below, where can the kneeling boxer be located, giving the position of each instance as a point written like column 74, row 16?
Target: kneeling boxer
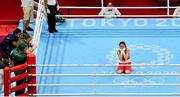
column 124, row 59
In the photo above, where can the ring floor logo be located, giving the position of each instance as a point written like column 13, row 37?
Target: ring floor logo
column 143, row 54
column 124, row 23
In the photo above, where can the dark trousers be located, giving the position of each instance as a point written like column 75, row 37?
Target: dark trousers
column 17, row 93
column 52, row 17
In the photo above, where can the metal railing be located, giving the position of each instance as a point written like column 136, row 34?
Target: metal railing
column 168, row 7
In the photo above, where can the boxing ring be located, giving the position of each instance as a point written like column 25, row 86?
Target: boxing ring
column 81, row 60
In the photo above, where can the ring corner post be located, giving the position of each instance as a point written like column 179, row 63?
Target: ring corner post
column 31, row 61
column 7, row 83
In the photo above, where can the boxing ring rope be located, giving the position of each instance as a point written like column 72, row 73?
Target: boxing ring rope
column 102, row 65
column 30, row 79
column 94, row 75
column 152, row 7
column 91, row 16
column 103, row 74
column 40, row 18
column 34, row 85
column 125, row 16
column 103, row 84
column 90, row 7
column 111, row 94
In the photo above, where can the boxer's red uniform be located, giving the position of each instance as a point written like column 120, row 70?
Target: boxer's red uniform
column 128, row 62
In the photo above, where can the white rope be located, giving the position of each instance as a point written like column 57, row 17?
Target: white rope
column 103, row 84
column 101, row 65
column 151, row 7
column 141, row 16
column 105, row 75
column 117, row 35
column 38, row 17
column 108, row 94
column 36, row 23
column 39, row 23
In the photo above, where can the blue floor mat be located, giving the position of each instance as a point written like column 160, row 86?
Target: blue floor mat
column 83, row 42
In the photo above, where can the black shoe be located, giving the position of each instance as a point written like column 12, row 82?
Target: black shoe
column 51, row 31
column 55, row 30
column 29, row 28
column 60, row 20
